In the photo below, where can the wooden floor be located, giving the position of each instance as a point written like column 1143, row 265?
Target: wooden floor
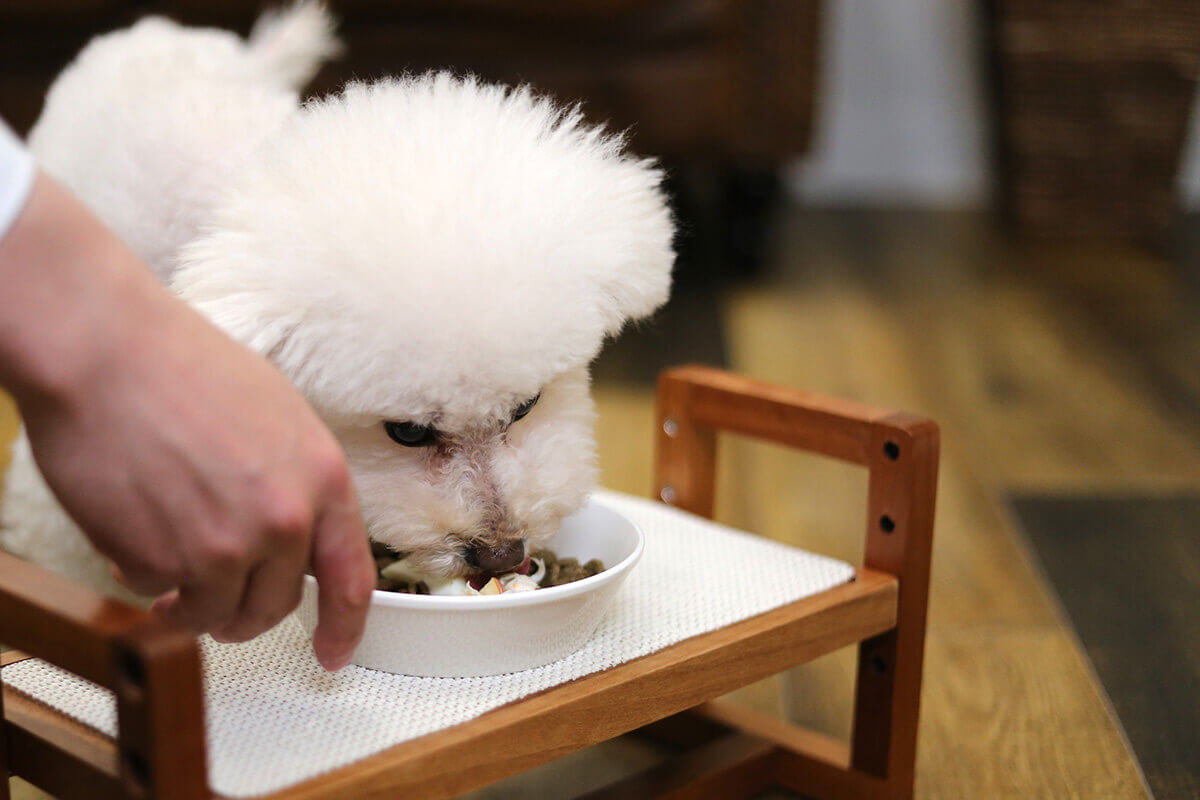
column 1050, row 369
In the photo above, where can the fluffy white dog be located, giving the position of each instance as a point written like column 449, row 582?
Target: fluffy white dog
column 433, row 262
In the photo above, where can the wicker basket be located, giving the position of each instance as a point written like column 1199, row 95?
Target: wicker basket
column 1092, row 112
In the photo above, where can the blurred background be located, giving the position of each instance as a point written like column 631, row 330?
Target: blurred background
column 987, row 213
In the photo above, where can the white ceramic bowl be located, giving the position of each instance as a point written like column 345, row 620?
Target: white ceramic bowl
column 445, row 637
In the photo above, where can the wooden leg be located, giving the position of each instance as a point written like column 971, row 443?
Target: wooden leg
column 901, row 493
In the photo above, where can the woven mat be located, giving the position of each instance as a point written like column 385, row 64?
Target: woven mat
column 275, row 718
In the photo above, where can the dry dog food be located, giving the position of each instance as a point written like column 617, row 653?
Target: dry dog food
column 565, row 570
column 541, row 570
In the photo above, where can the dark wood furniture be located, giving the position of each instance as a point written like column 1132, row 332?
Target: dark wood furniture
column 668, row 694
column 722, row 91
column 716, row 80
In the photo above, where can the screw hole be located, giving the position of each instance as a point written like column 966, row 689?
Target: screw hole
column 887, row 524
column 877, row 664
column 891, row 450
column 667, row 495
column 671, row 428
column 132, row 668
column 136, row 767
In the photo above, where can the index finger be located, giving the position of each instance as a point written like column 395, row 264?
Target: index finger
column 345, row 572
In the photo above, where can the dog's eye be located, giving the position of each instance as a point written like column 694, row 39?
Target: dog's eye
column 410, row 434
column 525, row 407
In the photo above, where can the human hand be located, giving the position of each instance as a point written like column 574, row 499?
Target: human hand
column 188, row 460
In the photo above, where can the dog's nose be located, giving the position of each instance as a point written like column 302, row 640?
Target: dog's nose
column 497, row 558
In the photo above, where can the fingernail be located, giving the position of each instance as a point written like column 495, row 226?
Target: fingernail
column 335, row 663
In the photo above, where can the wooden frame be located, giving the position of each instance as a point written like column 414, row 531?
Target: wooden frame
column 668, row 694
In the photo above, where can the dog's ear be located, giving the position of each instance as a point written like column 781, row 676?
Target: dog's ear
column 640, row 283
column 629, row 229
column 211, row 280
column 270, row 323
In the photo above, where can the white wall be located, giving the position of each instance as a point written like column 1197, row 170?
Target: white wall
column 900, row 116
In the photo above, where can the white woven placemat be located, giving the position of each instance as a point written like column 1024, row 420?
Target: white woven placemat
column 276, row 718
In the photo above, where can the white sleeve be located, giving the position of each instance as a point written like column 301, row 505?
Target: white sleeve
column 16, row 177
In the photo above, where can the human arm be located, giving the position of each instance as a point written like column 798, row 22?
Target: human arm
column 188, row 460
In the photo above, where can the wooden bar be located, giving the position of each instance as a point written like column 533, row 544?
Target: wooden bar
column 51, row 768
column 806, row 761
column 47, row 724
column 58, row 754
column 735, row 766
column 682, row 731
column 720, row 401
column 783, row 734
column 12, row 657
column 820, row 780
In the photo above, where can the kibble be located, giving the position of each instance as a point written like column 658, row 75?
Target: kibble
column 566, row 570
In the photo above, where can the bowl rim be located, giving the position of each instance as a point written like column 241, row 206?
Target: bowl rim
column 551, row 594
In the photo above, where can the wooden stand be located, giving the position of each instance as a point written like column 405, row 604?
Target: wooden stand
column 669, row 694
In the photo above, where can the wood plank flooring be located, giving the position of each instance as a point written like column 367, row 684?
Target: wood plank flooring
column 935, row 315
column 1039, row 385
column 1036, row 386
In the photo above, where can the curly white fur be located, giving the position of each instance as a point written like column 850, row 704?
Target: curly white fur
column 428, row 249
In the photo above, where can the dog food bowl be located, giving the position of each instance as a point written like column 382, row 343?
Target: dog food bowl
column 450, row 637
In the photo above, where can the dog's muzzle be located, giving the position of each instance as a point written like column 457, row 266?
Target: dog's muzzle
column 496, row 558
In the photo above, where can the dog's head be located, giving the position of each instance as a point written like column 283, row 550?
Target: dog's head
column 434, row 262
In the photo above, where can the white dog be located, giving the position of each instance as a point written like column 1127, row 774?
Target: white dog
column 433, row 262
